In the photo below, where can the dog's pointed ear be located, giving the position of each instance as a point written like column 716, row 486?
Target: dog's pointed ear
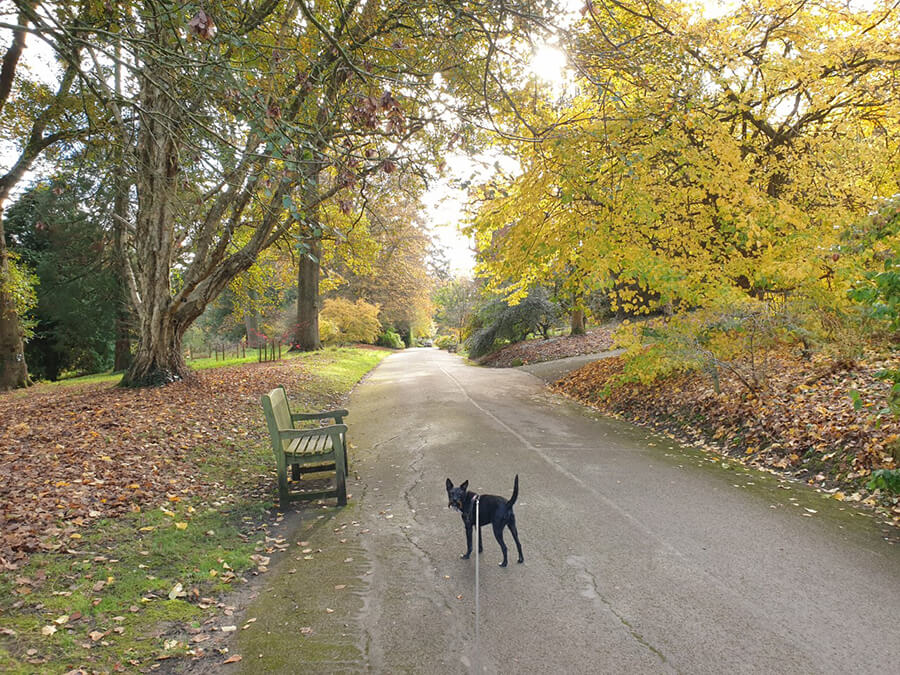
column 464, row 486
column 449, row 484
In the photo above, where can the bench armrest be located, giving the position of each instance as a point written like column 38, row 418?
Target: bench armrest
column 319, row 415
column 303, row 433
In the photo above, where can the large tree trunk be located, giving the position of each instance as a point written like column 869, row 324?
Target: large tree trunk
column 306, row 332
column 13, row 371
column 122, row 354
column 158, row 359
column 577, row 325
column 251, row 325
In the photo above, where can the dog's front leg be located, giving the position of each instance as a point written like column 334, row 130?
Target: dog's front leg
column 468, row 542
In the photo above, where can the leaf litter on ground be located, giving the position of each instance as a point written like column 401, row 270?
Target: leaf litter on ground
column 69, row 458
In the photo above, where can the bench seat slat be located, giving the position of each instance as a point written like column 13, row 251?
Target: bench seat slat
column 311, row 445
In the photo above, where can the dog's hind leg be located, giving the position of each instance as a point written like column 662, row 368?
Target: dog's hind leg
column 515, row 534
column 498, row 533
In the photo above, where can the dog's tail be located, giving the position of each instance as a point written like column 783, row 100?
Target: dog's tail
column 512, row 500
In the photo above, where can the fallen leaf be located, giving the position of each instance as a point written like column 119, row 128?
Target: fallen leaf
column 177, row 591
column 48, row 630
column 234, row 658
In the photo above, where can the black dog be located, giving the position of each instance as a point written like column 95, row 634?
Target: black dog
column 491, row 509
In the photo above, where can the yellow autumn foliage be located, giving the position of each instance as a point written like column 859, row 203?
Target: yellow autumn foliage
column 352, row 321
column 697, row 155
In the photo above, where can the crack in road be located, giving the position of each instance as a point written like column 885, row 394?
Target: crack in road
column 593, row 593
column 429, row 563
column 432, row 593
column 418, row 456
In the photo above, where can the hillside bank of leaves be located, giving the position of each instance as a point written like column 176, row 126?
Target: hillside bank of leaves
column 803, row 424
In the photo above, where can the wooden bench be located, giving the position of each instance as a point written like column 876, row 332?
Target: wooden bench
column 306, row 450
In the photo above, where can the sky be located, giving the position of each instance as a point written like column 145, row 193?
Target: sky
column 445, row 206
column 445, row 202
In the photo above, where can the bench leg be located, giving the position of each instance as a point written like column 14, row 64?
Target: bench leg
column 295, row 472
column 340, row 473
column 283, row 499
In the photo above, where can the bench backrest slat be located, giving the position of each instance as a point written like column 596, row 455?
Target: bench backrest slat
column 278, row 415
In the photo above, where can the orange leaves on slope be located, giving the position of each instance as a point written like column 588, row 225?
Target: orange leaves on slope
column 804, row 422
column 537, row 351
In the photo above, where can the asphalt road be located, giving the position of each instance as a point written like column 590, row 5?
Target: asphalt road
column 640, row 556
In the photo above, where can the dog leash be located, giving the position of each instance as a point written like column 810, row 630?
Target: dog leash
column 477, row 546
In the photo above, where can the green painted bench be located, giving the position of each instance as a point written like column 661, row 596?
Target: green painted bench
column 305, row 450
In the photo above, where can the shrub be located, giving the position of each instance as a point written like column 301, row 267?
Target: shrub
column 355, row 321
column 885, row 479
column 329, row 333
column 391, row 339
column 482, row 342
column 498, row 321
column 878, row 289
column 445, row 341
column 20, row 283
column 734, row 336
